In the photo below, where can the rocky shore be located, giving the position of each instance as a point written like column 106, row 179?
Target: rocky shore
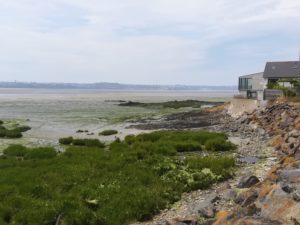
column 276, row 198
column 266, row 186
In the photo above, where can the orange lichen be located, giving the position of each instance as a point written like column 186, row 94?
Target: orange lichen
column 265, row 190
column 221, row 218
column 282, row 210
column 297, row 126
column 245, row 222
column 277, row 141
column 272, row 174
column 288, row 160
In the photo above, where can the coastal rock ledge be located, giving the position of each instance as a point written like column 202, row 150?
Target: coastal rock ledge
column 275, row 199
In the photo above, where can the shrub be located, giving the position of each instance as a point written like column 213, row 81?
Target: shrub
column 288, row 92
column 154, row 136
column 219, row 144
column 66, row 141
column 22, row 129
column 13, row 134
column 1, row 122
column 221, row 165
column 108, row 132
column 2, row 133
column 88, row 143
column 79, row 142
column 188, row 147
column 15, row 151
column 93, row 143
column 130, row 139
column 41, row 153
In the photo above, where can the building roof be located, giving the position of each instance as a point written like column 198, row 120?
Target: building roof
column 252, row 75
column 288, row 69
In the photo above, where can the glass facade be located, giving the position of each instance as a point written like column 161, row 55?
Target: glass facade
column 245, row 83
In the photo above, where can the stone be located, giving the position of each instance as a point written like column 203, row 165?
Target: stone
column 261, row 131
column 297, row 155
column 290, row 175
column 294, row 133
column 207, row 212
column 245, row 195
column 207, row 222
column 287, row 188
column 215, row 198
column 173, row 222
column 230, row 194
column 250, row 200
column 223, row 187
column 296, row 196
column 285, row 124
column 248, row 181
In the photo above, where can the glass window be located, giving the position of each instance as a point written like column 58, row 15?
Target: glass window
column 245, row 84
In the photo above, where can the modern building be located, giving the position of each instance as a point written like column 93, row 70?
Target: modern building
column 254, row 86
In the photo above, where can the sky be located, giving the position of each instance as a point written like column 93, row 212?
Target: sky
column 191, row 42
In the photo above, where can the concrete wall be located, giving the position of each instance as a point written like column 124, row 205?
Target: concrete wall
column 258, row 82
column 271, row 94
column 258, row 85
column 238, row 106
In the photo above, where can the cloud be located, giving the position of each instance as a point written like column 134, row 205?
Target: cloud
column 133, row 41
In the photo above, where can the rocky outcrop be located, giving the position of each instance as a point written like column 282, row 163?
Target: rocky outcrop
column 274, row 200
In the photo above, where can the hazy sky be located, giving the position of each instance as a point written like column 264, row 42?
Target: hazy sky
column 145, row 41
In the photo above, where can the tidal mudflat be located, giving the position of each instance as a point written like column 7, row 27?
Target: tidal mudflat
column 58, row 113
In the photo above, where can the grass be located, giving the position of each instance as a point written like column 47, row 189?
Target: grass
column 129, row 180
column 108, row 132
column 81, row 142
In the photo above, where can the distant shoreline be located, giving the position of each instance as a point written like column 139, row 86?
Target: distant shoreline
column 113, row 87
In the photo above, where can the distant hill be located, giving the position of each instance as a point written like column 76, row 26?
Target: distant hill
column 115, row 86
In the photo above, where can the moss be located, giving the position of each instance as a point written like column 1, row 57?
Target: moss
column 66, row 141
column 108, row 132
column 13, row 134
column 22, row 129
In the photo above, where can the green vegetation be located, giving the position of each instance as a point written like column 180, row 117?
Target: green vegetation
column 108, row 132
column 218, row 144
column 29, row 153
column 66, row 141
column 12, row 133
column 171, row 104
column 287, row 91
column 81, row 142
column 181, row 141
column 130, row 180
